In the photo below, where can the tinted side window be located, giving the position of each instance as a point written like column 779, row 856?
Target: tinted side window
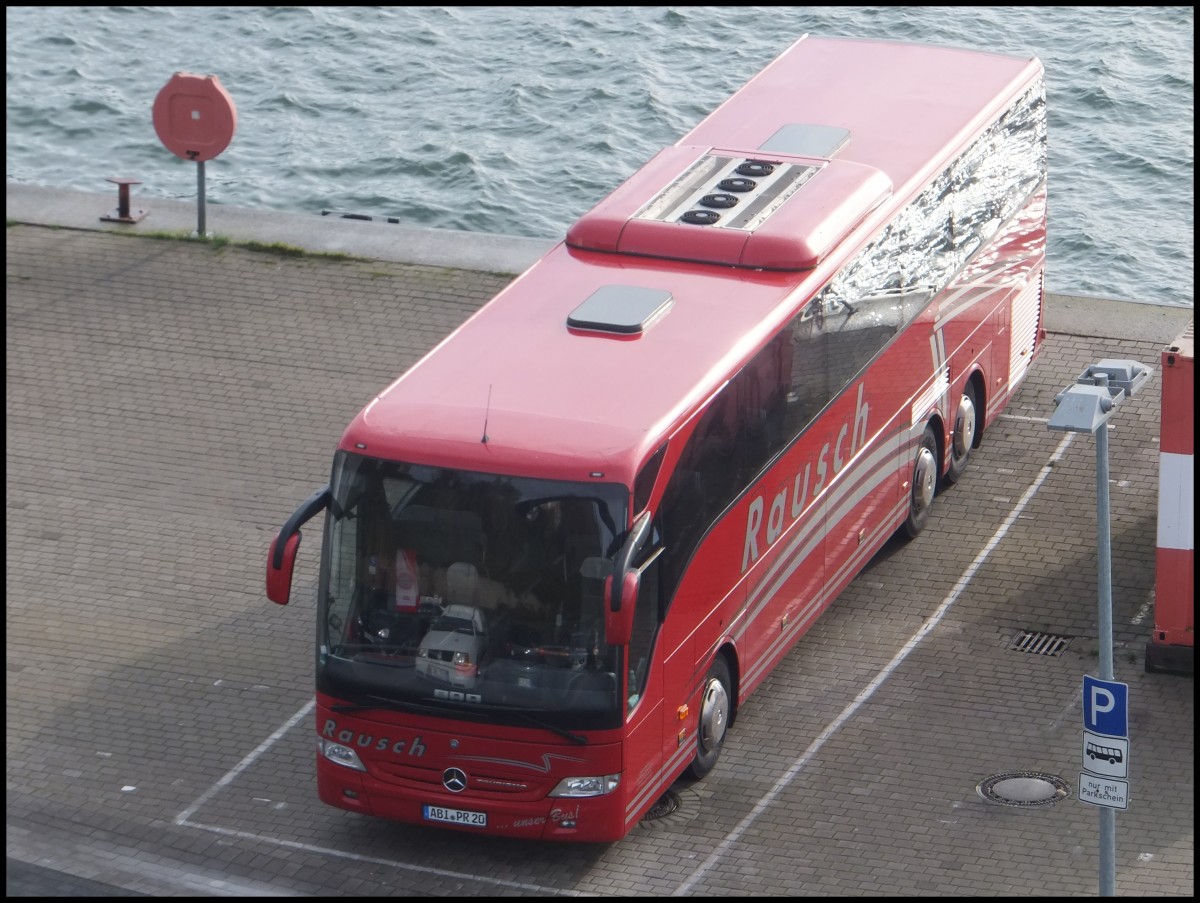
column 832, row 340
column 644, row 483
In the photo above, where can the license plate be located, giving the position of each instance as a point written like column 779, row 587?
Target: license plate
column 456, row 816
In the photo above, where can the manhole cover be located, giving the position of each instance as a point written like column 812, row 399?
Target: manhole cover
column 1024, row 789
column 673, row 811
column 666, row 805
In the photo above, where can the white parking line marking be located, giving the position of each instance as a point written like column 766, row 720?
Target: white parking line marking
column 847, row 713
column 392, row 863
column 183, row 818
column 229, row 776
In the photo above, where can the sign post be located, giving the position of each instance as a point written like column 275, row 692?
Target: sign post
column 1086, row 408
column 195, row 119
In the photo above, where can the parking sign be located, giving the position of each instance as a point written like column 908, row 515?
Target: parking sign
column 1106, row 707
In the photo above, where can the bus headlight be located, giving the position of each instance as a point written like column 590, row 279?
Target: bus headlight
column 339, row 754
column 591, row 786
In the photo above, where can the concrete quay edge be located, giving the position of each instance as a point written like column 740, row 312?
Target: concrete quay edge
column 1068, row 314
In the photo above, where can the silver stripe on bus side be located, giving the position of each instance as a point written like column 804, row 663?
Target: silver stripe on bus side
column 881, row 466
column 662, row 779
column 928, row 399
column 810, row 611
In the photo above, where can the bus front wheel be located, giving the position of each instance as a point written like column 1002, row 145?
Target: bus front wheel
column 715, row 707
column 924, row 484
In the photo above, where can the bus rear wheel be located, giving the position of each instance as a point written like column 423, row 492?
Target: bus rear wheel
column 924, row 484
column 963, row 438
column 715, row 707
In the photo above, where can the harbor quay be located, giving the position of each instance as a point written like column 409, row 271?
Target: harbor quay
column 171, row 398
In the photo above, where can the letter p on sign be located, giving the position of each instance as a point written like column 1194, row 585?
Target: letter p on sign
column 1105, row 707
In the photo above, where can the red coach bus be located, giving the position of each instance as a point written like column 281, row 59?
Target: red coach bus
column 565, row 546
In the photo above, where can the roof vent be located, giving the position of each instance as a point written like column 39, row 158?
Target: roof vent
column 769, row 185
column 738, row 185
column 733, row 208
column 755, row 168
column 621, row 309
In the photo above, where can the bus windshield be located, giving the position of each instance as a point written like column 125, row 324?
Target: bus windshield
column 460, row 592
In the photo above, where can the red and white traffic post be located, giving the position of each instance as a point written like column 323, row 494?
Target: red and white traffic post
column 1172, row 648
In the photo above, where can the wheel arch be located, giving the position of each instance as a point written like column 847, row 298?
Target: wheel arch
column 728, row 652
column 977, row 379
column 939, row 427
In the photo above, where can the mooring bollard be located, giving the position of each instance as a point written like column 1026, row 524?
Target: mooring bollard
column 122, row 214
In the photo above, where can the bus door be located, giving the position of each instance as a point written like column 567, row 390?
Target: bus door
column 697, row 575
column 644, row 693
column 708, row 606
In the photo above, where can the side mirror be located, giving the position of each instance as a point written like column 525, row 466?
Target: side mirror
column 622, row 589
column 281, row 560
column 618, row 625
column 279, row 576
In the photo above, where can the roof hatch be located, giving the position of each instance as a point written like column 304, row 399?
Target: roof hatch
column 620, row 309
column 802, row 140
column 766, row 209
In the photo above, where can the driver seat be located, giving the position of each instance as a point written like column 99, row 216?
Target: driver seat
column 462, row 583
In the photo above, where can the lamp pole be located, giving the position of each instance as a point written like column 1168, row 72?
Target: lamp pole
column 1086, row 408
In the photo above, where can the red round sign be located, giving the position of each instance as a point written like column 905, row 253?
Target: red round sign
column 194, row 116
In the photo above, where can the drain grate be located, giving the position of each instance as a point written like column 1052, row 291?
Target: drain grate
column 1040, row 643
column 1023, row 789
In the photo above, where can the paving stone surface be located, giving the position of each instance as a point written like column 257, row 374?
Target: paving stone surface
column 169, row 403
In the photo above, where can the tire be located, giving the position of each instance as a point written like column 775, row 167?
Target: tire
column 962, row 440
column 924, row 484
column 716, row 707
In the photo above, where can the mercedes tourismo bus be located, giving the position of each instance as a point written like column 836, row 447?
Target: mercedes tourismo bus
column 564, row 547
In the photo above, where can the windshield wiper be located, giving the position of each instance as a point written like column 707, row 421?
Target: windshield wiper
column 561, row 731
column 349, row 649
column 390, row 705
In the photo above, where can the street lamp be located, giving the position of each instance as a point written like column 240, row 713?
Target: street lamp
column 1086, row 407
